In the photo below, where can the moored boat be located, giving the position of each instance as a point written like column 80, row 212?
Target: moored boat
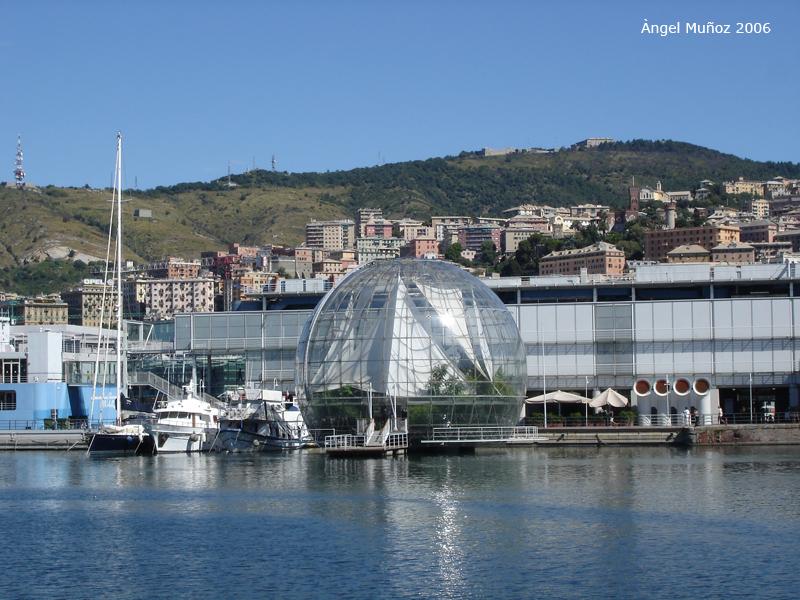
column 188, row 424
column 261, row 420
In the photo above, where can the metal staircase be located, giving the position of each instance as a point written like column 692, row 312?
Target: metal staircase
column 170, row 390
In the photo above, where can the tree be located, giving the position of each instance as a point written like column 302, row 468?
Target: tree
column 453, row 253
column 487, row 255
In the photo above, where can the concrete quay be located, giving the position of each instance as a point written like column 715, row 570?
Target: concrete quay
column 609, row 436
column 38, row 439
column 761, row 434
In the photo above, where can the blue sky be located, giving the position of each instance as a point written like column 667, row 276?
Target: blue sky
column 335, row 85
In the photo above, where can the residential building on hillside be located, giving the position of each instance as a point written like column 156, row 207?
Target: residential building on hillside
column 41, row 310
column 156, row 299
column 370, row 249
column 363, row 216
column 737, row 253
column 681, row 196
column 174, row 268
column 378, row 228
column 511, row 238
column 331, row 235
column 688, row 253
column 600, row 258
column 660, row 241
column 770, row 252
column 744, row 186
column 760, row 208
column 441, row 224
column 471, row 237
column 421, row 248
column 84, row 304
column 757, row 231
column 792, row 236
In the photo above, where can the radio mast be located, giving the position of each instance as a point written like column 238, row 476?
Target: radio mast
column 19, row 171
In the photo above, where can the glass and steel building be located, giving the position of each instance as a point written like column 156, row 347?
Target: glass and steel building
column 423, row 335
column 738, row 327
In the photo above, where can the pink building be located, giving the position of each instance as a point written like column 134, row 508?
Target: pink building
column 422, row 248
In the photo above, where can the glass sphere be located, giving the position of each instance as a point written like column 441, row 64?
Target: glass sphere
column 417, row 339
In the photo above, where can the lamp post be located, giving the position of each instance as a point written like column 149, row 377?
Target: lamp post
column 586, row 395
column 544, row 386
column 751, row 397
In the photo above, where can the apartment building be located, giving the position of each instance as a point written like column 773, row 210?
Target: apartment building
column 156, row 299
column 472, row 237
column 757, row 231
column 174, row 268
column 760, row 208
column 658, row 242
column 331, row 235
column 422, row 248
column 736, row 253
column 744, row 186
column 85, row 302
column 600, row 258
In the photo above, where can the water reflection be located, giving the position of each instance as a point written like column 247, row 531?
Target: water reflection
column 514, row 523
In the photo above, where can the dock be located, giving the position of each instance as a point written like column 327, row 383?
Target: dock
column 43, row 439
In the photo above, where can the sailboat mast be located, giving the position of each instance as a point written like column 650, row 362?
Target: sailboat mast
column 119, row 278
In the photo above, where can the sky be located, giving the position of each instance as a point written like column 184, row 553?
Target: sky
column 326, row 85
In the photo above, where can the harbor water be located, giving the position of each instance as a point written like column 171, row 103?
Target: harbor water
column 508, row 523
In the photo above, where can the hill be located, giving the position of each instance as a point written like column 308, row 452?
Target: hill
column 272, row 207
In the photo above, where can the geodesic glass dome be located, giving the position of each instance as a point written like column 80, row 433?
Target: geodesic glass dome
column 423, row 333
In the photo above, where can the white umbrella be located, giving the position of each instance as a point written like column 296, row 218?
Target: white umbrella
column 560, row 397
column 609, row 397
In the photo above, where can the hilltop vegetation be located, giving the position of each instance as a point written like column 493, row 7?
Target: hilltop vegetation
column 273, row 207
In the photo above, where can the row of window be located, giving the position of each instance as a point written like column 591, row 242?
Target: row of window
column 623, row 294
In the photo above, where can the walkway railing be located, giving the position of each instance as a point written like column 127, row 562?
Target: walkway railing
column 665, row 420
column 345, row 441
column 52, row 424
column 483, row 434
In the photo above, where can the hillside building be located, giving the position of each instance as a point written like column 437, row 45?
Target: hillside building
column 331, row 235
column 657, row 243
column 600, row 258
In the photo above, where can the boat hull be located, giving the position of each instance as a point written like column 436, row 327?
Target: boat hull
column 234, row 439
column 115, row 444
column 174, row 440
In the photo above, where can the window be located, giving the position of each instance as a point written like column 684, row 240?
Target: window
column 674, row 293
column 8, row 400
column 539, row 296
column 743, row 291
column 613, row 294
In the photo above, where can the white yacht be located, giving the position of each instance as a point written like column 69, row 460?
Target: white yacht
column 261, row 420
column 188, row 424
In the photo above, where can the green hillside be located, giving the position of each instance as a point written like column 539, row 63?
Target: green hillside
column 267, row 207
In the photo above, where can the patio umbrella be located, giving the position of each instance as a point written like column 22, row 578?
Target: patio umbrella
column 609, row 397
column 560, row 397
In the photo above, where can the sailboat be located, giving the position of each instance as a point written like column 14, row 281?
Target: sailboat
column 119, row 438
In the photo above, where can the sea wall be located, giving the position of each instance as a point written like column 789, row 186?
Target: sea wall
column 730, row 435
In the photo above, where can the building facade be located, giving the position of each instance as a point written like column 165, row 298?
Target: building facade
column 330, row 235
column 600, row 258
column 660, row 241
column 85, row 304
column 157, row 299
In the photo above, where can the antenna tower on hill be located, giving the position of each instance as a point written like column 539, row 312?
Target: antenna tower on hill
column 19, row 171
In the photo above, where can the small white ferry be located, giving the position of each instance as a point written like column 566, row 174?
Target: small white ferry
column 188, row 424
